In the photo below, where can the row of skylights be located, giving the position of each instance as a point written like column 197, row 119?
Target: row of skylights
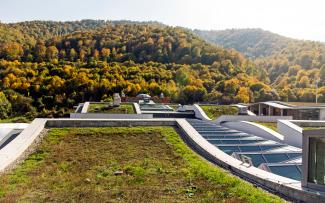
column 266, row 154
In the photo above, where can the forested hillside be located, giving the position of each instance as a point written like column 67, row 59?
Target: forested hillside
column 291, row 66
column 47, row 67
column 251, row 42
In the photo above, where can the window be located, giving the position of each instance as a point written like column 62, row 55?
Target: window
column 230, row 141
column 268, row 147
column 287, row 171
column 316, row 163
column 216, row 137
column 275, row 158
column 229, row 149
column 250, row 141
column 215, row 141
column 294, row 155
column 257, row 159
column 249, row 148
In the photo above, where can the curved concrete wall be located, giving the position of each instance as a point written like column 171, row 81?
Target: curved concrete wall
column 255, row 129
column 10, row 153
column 292, row 133
column 199, row 113
column 137, row 109
column 267, row 119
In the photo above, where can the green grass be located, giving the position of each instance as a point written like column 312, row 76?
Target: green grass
column 78, row 165
column 313, row 128
column 215, row 111
column 122, row 109
column 272, row 126
column 20, row 119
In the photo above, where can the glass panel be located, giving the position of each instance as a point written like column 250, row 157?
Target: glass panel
column 316, row 163
column 214, row 137
column 230, row 141
column 229, row 149
column 249, row 141
column 233, row 137
column 215, row 141
column 286, row 171
column 294, row 155
column 268, row 147
column 275, row 158
column 249, row 148
column 257, row 159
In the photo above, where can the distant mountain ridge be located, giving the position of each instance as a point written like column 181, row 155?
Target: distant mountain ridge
column 253, row 42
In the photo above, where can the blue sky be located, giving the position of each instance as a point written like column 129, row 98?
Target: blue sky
column 302, row 19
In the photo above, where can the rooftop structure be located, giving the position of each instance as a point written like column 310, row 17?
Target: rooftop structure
column 298, row 110
column 271, row 163
column 313, row 158
column 149, row 105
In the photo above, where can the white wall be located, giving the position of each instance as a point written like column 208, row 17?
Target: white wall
column 255, row 129
column 85, row 107
column 322, row 114
column 292, row 133
column 267, row 119
column 137, row 108
column 5, row 128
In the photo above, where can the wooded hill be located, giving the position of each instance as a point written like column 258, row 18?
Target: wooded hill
column 47, row 67
column 291, row 66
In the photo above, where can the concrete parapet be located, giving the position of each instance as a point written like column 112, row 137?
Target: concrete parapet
column 291, row 132
column 110, row 116
column 198, row 111
column 267, row 119
column 16, row 148
column 85, row 107
column 137, row 109
column 255, row 129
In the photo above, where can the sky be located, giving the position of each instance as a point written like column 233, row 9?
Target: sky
column 300, row 19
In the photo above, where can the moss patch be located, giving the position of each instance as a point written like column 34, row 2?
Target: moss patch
column 272, row 126
column 214, row 111
column 16, row 120
column 102, row 108
column 140, row 164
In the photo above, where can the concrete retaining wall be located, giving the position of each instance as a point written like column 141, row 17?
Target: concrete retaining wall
column 85, row 107
column 136, row 107
column 292, row 133
column 255, row 129
column 110, row 116
column 17, row 147
column 198, row 111
column 266, row 119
